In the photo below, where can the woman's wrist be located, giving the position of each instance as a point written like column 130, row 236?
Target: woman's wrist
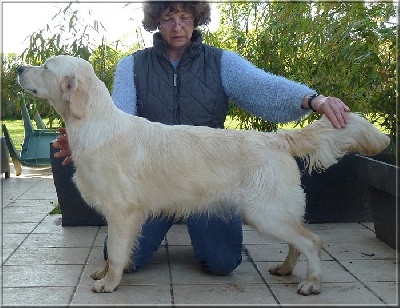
column 307, row 102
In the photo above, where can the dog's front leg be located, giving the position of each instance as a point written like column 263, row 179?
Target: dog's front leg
column 122, row 233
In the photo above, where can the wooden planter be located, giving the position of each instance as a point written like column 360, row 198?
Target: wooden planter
column 75, row 211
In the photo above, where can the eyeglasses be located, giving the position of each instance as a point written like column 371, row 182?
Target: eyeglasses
column 170, row 23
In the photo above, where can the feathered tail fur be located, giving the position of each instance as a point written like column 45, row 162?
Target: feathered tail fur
column 322, row 145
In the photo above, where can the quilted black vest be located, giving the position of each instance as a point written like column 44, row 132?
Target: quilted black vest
column 191, row 94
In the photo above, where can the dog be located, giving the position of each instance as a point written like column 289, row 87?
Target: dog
column 129, row 168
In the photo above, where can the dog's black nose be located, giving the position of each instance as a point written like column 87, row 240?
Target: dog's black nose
column 20, row 70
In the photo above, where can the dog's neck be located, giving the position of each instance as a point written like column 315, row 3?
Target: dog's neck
column 86, row 134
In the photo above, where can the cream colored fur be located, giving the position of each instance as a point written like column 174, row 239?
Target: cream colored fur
column 129, row 168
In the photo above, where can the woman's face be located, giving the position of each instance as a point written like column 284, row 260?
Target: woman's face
column 176, row 28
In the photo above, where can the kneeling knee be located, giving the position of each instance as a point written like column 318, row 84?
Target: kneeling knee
column 221, row 267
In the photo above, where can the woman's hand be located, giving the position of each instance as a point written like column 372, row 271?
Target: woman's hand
column 332, row 107
column 63, row 145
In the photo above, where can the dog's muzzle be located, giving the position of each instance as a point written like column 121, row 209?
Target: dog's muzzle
column 20, row 71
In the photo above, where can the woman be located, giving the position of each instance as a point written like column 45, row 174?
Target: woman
column 180, row 80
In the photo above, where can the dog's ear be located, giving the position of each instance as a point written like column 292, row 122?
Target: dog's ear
column 75, row 95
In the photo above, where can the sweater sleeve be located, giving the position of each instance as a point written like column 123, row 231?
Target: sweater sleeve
column 124, row 89
column 271, row 97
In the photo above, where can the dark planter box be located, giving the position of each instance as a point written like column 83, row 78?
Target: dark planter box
column 380, row 178
column 335, row 195
column 5, row 157
column 75, row 211
column 356, row 189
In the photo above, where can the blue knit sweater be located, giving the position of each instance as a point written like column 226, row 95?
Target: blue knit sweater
column 271, row 97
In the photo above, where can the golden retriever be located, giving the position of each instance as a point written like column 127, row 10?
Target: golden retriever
column 129, row 168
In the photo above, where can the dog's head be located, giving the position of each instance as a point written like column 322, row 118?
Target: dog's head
column 63, row 80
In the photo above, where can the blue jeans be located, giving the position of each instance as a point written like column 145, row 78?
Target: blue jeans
column 217, row 243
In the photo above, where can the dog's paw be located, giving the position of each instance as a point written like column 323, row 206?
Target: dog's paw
column 308, row 287
column 103, row 286
column 99, row 274
column 280, row 270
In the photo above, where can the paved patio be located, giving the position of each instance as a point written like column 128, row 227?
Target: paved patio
column 45, row 263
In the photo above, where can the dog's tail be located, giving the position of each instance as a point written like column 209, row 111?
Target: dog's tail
column 322, row 145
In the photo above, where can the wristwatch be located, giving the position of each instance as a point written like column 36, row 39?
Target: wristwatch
column 310, row 101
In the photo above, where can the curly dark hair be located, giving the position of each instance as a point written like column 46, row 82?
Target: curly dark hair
column 152, row 11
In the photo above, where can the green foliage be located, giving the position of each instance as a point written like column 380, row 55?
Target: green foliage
column 104, row 60
column 63, row 35
column 9, row 85
column 66, row 35
column 342, row 49
column 56, row 210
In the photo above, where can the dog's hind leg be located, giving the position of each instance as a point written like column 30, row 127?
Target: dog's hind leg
column 100, row 273
column 286, row 268
column 289, row 229
column 122, row 232
column 312, row 251
column 301, row 239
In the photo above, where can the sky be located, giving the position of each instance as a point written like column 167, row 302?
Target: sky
column 20, row 19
